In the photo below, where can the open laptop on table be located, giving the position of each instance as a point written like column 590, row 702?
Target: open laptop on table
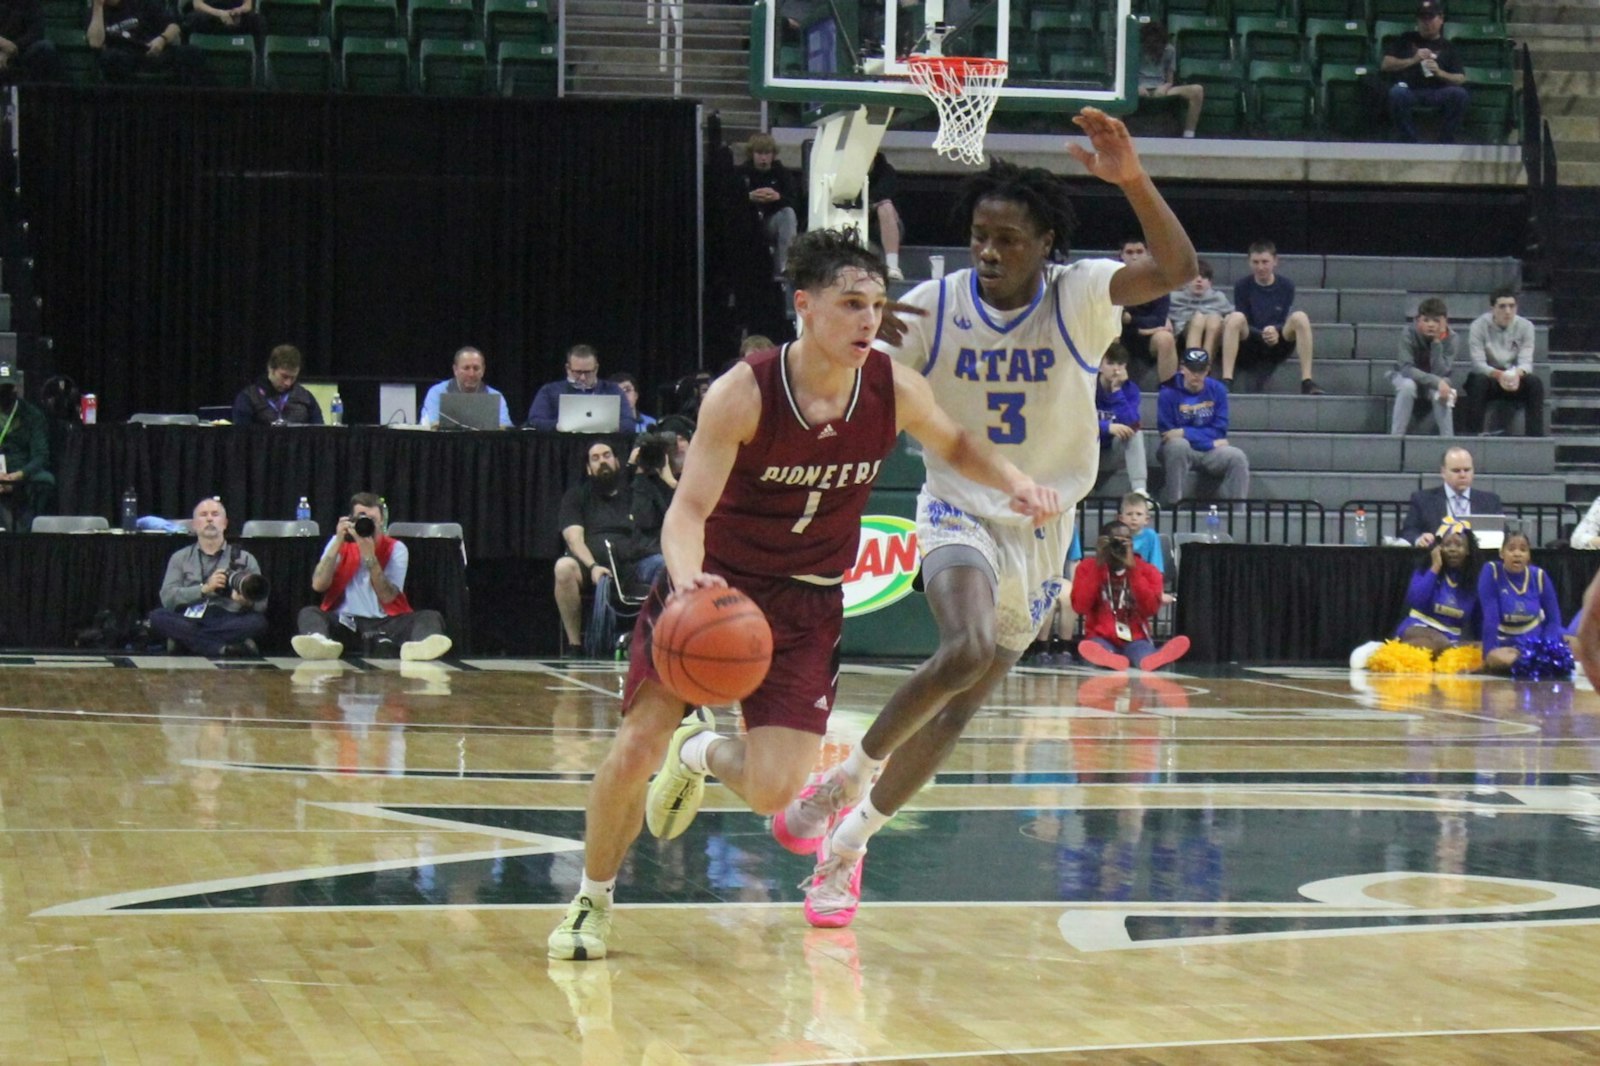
column 589, row 413
column 1489, row 530
column 469, row 410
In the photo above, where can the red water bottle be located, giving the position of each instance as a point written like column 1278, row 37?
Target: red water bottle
column 89, row 408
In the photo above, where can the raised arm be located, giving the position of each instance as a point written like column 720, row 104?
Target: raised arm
column 968, row 454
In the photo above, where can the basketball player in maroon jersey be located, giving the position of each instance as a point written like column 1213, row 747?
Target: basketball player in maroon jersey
column 781, row 464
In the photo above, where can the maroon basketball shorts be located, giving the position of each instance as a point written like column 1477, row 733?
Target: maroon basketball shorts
column 806, row 621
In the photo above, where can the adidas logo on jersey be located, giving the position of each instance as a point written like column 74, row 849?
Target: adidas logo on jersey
column 821, row 704
column 827, row 431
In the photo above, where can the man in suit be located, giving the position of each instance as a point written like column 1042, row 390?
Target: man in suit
column 1455, row 498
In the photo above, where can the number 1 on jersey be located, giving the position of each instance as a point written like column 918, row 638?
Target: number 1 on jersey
column 813, row 501
column 1013, row 428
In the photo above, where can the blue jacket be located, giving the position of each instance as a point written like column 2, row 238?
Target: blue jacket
column 1203, row 415
column 1120, row 406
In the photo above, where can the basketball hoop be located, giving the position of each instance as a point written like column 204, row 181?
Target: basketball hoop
column 964, row 91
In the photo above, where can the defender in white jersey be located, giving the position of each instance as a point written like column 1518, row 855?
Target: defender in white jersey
column 1012, row 345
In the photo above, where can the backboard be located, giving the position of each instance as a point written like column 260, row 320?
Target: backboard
column 1063, row 54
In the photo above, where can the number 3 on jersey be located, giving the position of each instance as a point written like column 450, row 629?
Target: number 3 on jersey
column 1013, row 428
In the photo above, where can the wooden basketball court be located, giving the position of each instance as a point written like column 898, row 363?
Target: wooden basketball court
column 359, row 863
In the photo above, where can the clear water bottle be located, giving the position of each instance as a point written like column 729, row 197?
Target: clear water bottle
column 1213, row 525
column 302, row 511
column 338, row 410
column 1361, row 527
column 130, row 510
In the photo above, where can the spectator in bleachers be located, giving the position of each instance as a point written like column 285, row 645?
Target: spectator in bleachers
column 25, row 53
column 1192, row 415
column 1265, row 326
column 1117, row 594
column 583, row 377
column 1117, row 401
column 1501, row 346
column 1158, row 69
column 773, row 193
column 1422, row 367
column 1198, row 311
column 134, row 36
column 275, row 399
column 466, row 375
column 1427, row 72
column 1146, row 328
column 213, row 597
column 26, row 487
column 1456, row 498
column 630, row 392
column 882, row 184
column 1586, row 534
column 223, row 16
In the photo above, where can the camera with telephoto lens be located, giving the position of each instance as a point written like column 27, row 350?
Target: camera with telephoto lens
column 1115, row 551
column 364, row 527
column 251, row 588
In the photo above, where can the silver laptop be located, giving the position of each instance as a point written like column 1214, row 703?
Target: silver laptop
column 589, row 413
column 469, row 410
column 1489, row 530
column 397, row 404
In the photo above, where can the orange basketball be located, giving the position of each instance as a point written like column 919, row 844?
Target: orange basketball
column 712, row 646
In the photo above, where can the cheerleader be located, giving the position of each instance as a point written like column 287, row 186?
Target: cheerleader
column 1518, row 601
column 1442, row 600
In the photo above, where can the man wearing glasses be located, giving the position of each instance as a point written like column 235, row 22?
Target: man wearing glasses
column 583, row 378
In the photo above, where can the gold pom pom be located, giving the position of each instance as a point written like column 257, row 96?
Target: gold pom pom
column 1398, row 657
column 1460, row 659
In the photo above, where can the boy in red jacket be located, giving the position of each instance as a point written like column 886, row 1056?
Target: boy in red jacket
column 1117, row 593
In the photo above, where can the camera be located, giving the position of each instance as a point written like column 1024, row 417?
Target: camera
column 364, row 527
column 251, row 587
column 1115, row 550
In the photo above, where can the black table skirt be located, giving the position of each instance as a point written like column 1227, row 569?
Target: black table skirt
column 504, row 488
column 1262, row 603
column 53, row 584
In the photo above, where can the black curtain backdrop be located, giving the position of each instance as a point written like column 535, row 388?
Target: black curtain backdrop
column 1264, row 603
column 182, row 234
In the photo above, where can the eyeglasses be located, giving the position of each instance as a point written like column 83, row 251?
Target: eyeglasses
column 584, row 374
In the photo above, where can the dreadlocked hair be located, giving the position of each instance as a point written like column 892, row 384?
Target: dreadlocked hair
column 1042, row 194
column 817, row 256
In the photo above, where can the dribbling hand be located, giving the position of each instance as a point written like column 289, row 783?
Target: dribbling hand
column 702, row 580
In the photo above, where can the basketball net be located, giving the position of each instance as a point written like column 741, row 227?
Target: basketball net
column 964, row 91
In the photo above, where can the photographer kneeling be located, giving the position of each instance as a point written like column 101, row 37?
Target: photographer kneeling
column 362, row 578
column 214, row 596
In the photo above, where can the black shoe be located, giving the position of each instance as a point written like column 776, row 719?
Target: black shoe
column 244, row 649
column 1310, row 388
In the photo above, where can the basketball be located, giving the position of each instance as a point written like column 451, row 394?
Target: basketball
column 712, row 646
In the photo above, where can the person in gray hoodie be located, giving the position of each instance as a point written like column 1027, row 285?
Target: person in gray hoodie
column 1422, row 368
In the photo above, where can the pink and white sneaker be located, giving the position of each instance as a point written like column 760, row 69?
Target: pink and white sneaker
column 801, row 825
column 833, row 891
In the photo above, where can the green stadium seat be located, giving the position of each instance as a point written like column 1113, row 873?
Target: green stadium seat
column 80, row 64
column 1342, row 42
column 1348, row 100
column 1259, row 9
column 1065, row 32
column 451, row 68
column 1385, row 32
column 1282, row 99
column 1491, row 105
column 1195, row 9
column 1480, row 47
column 376, row 65
column 1275, row 40
column 1223, row 78
column 293, row 18
column 1340, row 10
column 302, row 64
column 1201, row 37
column 68, row 14
column 230, row 59
column 1470, row 12
column 1025, row 63
column 528, row 70
column 365, row 18
column 517, row 20
column 1394, row 11
column 1084, row 69
column 443, row 20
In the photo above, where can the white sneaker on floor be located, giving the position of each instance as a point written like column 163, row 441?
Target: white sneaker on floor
column 316, row 646
column 426, row 649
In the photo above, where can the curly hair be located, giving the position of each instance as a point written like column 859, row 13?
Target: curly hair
column 1042, row 194
column 817, row 257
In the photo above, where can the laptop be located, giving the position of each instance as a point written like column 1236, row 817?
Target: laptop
column 589, row 413
column 1489, row 530
column 397, row 404
column 469, row 410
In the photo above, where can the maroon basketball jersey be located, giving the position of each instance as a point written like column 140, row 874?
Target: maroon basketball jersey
column 793, row 502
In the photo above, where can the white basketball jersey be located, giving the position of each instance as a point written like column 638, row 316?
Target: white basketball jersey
column 1024, row 378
